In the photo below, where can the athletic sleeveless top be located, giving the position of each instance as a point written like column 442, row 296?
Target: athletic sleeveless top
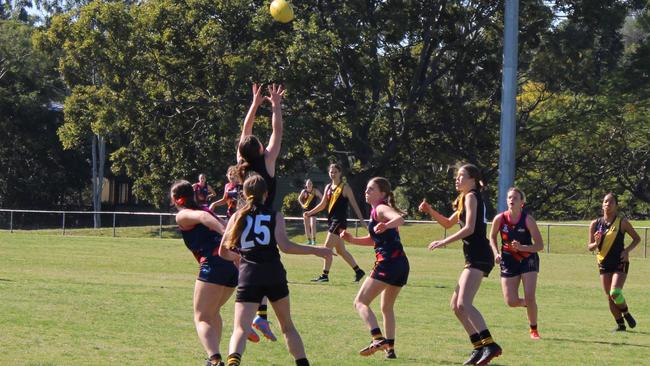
column 514, row 231
column 475, row 246
column 260, row 262
column 388, row 244
column 233, row 192
column 612, row 254
column 339, row 210
column 201, row 193
column 201, row 241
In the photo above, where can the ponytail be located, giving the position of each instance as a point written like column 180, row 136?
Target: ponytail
column 390, row 201
column 254, row 191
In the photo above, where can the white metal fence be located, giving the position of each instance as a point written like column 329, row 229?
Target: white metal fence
column 65, row 220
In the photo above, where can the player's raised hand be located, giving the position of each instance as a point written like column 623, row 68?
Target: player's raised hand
column 276, row 92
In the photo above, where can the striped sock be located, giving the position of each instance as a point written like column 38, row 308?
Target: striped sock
column 234, row 359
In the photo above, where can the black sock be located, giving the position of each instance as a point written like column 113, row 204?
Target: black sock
column 326, row 272
column 376, row 334
column 356, row 269
column 533, row 327
column 391, row 343
column 620, row 321
column 476, row 340
column 261, row 311
column 486, row 337
column 215, row 358
column 302, row 362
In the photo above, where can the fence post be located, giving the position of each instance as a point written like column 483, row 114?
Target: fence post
column 645, row 243
column 113, row 224
column 548, row 238
column 63, row 223
column 160, row 229
column 11, row 221
column 356, row 227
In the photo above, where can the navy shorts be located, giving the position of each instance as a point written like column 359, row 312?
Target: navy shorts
column 485, row 267
column 620, row 267
column 394, row 272
column 219, row 271
column 511, row 267
column 256, row 293
column 335, row 226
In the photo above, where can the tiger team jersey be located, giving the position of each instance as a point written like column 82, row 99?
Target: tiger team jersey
column 310, row 201
column 476, row 247
column 337, row 207
column 611, row 243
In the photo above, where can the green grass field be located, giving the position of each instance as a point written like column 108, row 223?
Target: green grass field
column 82, row 300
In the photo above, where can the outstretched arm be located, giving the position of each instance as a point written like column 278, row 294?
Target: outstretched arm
column 276, row 92
column 289, row 247
column 471, row 204
column 443, row 221
column 356, row 240
column 247, row 129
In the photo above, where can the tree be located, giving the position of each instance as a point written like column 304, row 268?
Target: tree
column 34, row 170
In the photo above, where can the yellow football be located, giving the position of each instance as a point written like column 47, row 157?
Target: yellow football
column 281, row 11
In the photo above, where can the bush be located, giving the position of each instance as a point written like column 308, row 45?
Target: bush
column 290, row 205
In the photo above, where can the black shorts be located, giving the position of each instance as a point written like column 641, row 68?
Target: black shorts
column 219, row 271
column 511, row 267
column 256, row 293
column 485, row 267
column 335, row 226
column 394, row 272
column 619, row 267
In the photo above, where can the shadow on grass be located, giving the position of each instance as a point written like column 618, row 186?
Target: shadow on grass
column 563, row 340
column 167, row 233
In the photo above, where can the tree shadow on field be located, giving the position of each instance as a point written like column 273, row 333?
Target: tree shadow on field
column 597, row 342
